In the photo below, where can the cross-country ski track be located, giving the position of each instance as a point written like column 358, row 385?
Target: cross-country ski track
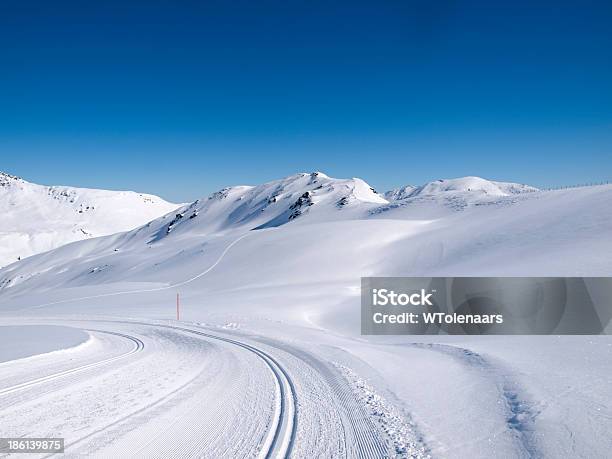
column 227, row 398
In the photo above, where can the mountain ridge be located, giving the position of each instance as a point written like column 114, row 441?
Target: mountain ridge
column 37, row 218
column 311, row 228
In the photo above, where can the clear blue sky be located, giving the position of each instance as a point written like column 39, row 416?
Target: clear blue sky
column 181, row 98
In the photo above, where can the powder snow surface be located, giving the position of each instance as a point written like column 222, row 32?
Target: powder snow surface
column 278, row 266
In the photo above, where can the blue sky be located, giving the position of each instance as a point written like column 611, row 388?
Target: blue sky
column 183, row 98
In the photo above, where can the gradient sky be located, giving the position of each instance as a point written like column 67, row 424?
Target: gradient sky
column 181, row 98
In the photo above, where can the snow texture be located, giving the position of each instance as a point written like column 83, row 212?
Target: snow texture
column 267, row 359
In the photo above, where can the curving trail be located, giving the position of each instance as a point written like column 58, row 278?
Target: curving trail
column 149, row 290
column 172, row 390
column 281, row 436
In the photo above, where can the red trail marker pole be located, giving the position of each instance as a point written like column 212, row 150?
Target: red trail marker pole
column 178, row 315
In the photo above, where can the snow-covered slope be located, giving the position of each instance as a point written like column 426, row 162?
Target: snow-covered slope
column 455, row 194
column 400, row 193
column 38, row 218
column 473, row 185
column 280, row 264
column 311, row 197
column 312, row 228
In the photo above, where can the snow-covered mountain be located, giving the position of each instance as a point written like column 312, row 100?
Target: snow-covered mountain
column 455, row 194
column 278, row 267
column 37, row 218
column 397, row 194
column 284, row 260
column 276, row 203
column 313, row 228
column 472, row 185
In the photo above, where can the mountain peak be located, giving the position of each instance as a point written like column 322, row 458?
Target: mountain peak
column 7, row 179
column 400, row 193
column 311, row 197
column 37, row 218
column 460, row 185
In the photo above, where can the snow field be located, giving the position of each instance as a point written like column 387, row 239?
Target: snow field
column 20, row 342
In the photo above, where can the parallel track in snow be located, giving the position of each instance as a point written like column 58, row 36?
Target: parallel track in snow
column 361, row 438
column 138, row 346
column 281, row 437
